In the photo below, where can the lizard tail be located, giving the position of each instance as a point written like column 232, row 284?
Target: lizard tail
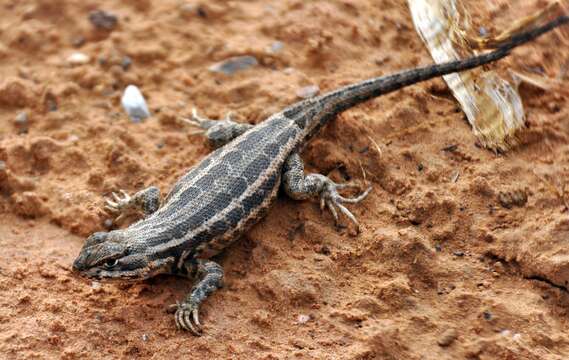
column 348, row 96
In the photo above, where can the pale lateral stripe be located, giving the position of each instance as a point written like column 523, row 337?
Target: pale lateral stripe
column 224, row 150
column 251, row 189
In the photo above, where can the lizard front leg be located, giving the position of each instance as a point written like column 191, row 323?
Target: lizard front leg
column 299, row 186
column 147, row 201
column 218, row 132
column 209, row 275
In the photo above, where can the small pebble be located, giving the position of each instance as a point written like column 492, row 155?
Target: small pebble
column 22, row 120
column 517, row 337
column 126, row 63
column 307, row 91
column 108, row 223
column 487, row 315
column 2, row 165
column 447, row 337
column 134, row 104
column 288, row 71
column 103, row 20
column 78, row 58
column 95, row 285
column 187, row 9
column 234, row 64
column 78, row 41
column 73, row 138
column 144, row 337
column 303, row 319
column 276, row 47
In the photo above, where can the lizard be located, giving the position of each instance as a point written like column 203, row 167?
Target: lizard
column 232, row 188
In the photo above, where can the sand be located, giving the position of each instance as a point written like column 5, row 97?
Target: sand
column 463, row 252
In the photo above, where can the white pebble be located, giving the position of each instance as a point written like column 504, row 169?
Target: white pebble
column 95, row 285
column 134, row 104
column 78, row 58
column 276, row 47
column 303, row 319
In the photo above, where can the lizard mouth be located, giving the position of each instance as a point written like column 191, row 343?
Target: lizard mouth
column 104, row 275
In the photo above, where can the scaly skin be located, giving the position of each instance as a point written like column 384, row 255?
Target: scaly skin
column 231, row 189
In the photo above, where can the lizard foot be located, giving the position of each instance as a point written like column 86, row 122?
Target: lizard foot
column 120, row 203
column 330, row 198
column 187, row 318
column 218, row 132
column 204, row 123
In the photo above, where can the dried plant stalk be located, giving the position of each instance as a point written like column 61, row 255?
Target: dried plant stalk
column 492, row 105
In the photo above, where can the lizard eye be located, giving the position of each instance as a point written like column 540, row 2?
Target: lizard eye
column 111, row 264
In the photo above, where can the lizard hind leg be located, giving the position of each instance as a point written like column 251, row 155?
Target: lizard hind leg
column 210, row 278
column 218, row 132
column 299, row 186
column 147, row 201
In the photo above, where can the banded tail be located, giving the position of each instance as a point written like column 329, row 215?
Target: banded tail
column 344, row 98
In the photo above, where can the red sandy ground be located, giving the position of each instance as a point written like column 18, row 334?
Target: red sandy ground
column 441, row 270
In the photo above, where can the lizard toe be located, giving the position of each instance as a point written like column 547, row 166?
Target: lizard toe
column 186, row 318
column 334, row 201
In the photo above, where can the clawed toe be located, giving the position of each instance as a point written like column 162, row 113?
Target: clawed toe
column 187, row 318
column 334, row 201
column 119, row 203
column 197, row 121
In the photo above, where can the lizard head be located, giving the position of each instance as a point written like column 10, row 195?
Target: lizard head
column 109, row 255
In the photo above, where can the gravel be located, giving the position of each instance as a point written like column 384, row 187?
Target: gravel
column 234, row 64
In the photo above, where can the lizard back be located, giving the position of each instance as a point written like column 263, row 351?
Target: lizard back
column 222, row 196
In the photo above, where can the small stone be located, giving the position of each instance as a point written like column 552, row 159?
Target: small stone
column 22, row 121
column 303, row 319
column 487, row 315
column 288, row 71
column 103, row 20
column 126, row 63
column 73, row 138
column 95, row 285
column 517, row 337
column 144, row 337
column 78, row 41
column 187, row 10
column 2, row 165
column 234, row 64
column 276, row 47
column 447, row 337
column 134, row 104
column 307, row 91
column 78, row 58
column 108, row 223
